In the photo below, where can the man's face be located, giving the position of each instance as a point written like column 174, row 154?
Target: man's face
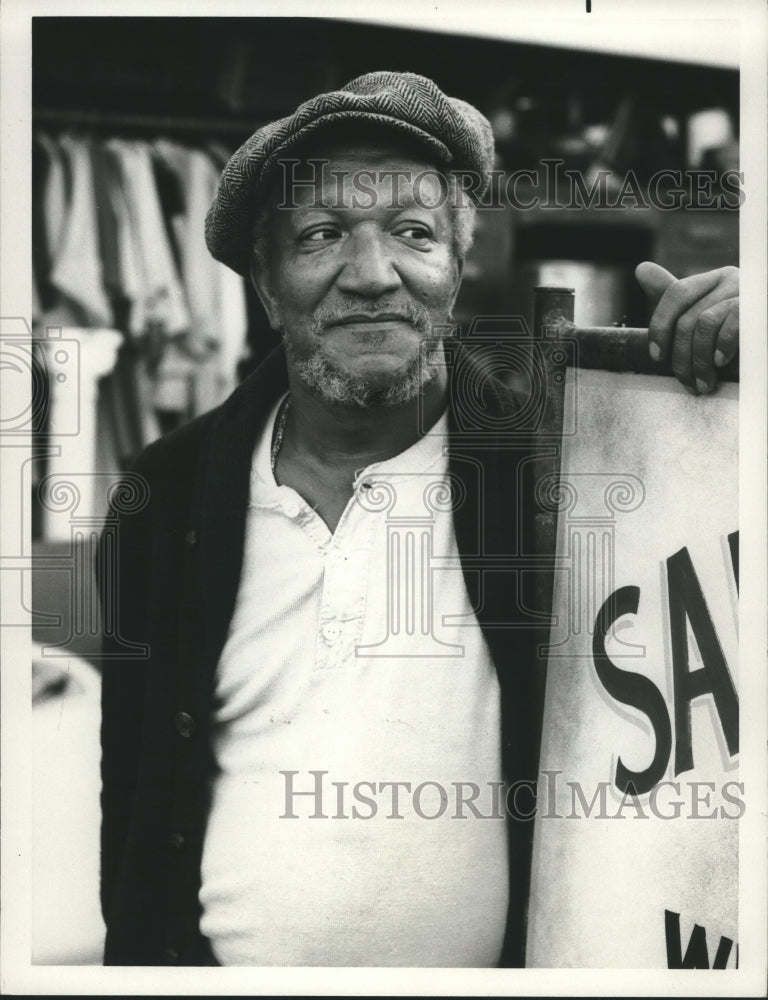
column 359, row 278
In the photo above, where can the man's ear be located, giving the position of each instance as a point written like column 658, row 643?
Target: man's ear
column 262, row 282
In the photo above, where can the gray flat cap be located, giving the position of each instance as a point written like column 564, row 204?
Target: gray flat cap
column 454, row 132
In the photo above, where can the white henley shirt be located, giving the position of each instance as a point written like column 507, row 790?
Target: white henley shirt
column 353, row 661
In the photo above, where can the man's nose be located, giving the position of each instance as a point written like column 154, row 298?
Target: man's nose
column 368, row 267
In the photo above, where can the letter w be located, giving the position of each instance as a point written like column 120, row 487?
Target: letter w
column 696, row 954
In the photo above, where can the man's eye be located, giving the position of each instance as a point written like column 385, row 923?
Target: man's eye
column 418, row 233
column 323, row 235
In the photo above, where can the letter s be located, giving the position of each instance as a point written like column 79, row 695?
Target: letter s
column 632, row 689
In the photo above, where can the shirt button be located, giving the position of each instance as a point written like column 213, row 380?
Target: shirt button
column 170, row 956
column 184, row 723
column 291, row 510
column 190, row 538
column 331, row 632
column 177, row 841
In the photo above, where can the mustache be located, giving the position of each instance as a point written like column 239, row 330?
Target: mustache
column 344, row 311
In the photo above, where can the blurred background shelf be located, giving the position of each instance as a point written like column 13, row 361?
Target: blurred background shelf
column 263, row 67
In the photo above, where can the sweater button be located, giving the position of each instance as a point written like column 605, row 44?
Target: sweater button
column 190, row 538
column 170, row 956
column 184, row 723
column 177, row 841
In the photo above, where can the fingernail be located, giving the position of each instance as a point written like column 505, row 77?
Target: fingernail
column 655, row 351
column 701, row 385
column 719, row 359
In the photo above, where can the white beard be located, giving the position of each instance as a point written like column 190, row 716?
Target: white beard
column 334, row 385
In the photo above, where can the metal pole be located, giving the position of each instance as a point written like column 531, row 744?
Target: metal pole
column 552, row 314
column 623, row 349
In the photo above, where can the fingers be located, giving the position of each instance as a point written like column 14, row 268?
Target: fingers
column 728, row 337
column 694, row 343
column 695, row 323
column 664, row 328
column 653, row 279
column 714, row 340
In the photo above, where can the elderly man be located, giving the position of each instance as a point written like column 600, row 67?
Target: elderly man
column 324, row 658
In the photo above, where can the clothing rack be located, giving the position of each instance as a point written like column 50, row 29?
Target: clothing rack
column 160, row 123
column 105, row 203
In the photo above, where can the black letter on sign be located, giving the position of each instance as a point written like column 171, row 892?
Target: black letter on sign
column 632, row 689
column 696, row 954
column 687, row 600
column 733, row 544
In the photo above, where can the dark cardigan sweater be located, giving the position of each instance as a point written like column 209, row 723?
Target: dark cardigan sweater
column 171, row 570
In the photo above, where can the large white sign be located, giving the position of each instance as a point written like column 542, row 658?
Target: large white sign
column 635, row 853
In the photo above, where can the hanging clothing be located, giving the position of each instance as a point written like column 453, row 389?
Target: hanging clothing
column 51, row 188
column 172, row 205
column 161, row 294
column 42, row 162
column 54, row 195
column 216, row 296
column 118, row 241
column 106, row 218
column 129, row 276
column 77, row 272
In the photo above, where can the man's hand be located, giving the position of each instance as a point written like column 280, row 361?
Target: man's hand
column 695, row 322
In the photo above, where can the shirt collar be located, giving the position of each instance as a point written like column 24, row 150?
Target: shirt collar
column 419, row 457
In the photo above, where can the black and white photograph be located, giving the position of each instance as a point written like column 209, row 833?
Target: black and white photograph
column 384, row 545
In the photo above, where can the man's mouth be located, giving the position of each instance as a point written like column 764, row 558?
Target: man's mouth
column 356, row 318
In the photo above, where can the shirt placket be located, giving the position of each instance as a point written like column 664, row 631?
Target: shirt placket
column 345, row 577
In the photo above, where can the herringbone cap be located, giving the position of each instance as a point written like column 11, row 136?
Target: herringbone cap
column 454, row 132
